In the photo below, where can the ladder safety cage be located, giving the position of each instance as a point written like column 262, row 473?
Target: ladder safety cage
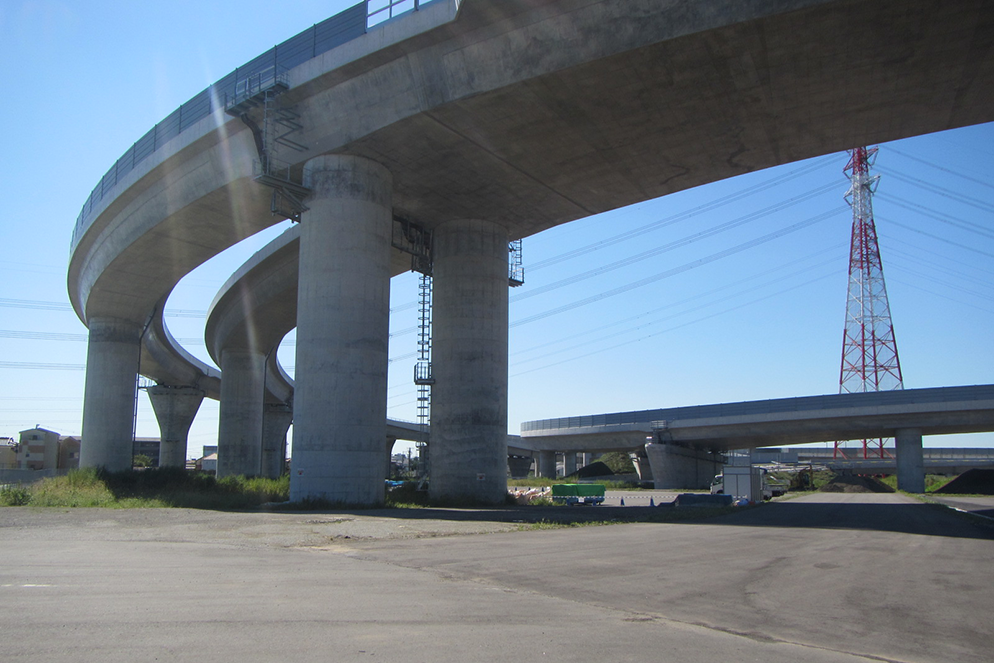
column 278, row 126
column 515, row 265
column 423, row 377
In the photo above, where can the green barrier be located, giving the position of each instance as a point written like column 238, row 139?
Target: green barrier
column 578, row 493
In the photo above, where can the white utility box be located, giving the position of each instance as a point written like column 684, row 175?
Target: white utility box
column 743, row 481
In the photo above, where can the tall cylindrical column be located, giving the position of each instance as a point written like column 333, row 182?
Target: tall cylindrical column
column 910, row 460
column 569, row 463
column 175, row 408
column 109, row 397
column 343, row 316
column 276, row 420
column 546, row 464
column 469, row 361
column 239, row 431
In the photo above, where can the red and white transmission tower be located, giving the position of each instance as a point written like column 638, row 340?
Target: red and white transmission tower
column 869, row 351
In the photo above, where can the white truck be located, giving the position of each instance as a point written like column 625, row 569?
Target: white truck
column 748, row 482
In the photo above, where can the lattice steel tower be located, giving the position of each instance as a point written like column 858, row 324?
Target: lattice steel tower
column 869, row 350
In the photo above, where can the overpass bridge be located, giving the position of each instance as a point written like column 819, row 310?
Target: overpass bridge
column 684, row 444
column 476, row 122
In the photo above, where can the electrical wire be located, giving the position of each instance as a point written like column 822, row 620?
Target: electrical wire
column 681, row 268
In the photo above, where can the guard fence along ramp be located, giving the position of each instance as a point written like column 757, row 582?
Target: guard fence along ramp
column 319, row 38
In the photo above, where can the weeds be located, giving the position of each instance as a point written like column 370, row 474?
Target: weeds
column 14, row 496
column 160, row 487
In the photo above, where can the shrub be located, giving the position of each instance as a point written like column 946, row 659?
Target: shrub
column 14, row 496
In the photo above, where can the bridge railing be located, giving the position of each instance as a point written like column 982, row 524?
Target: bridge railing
column 319, row 38
column 802, row 404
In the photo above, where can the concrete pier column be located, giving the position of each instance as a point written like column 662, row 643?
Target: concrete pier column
column 569, row 463
column 389, row 469
column 518, row 466
column 343, row 311
column 109, row 398
column 276, row 420
column 642, row 466
column 910, row 460
column 175, row 408
column 469, row 361
column 239, row 432
column 545, row 464
column 674, row 466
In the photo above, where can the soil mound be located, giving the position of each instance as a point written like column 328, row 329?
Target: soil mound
column 597, row 469
column 971, row 482
column 851, row 483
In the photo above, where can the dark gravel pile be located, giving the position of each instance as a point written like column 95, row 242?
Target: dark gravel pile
column 851, row 483
column 971, row 482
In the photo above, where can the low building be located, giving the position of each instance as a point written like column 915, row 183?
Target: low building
column 38, row 449
column 208, row 463
column 69, row 452
column 8, row 453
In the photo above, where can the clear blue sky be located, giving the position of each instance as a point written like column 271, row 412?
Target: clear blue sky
column 87, row 79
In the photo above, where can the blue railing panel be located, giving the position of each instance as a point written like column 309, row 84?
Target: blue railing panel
column 195, row 109
column 145, row 146
column 296, row 50
column 340, row 29
column 167, row 129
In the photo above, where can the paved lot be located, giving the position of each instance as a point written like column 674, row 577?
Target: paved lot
column 822, row 578
column 981, row 505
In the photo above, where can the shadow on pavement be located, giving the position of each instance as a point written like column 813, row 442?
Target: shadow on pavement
column 919, row 519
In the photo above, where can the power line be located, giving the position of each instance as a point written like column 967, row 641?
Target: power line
column 937, row 238
column 682, row 268
column 696, row 298
column 939, row 191
column 929, row 212
column 938, row 167
column 41, row 305
column 674, row 328
column 662, row 223
column 677, row 244
column 42, row 366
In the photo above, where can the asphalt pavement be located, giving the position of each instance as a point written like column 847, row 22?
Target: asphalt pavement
column 830, row 577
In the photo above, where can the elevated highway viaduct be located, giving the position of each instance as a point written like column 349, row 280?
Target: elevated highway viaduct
column 684, row 444
column 481, row 121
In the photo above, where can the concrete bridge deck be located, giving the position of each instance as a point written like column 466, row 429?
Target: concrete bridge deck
column 682, row 442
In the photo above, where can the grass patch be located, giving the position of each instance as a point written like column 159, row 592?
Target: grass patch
column 933, row 482
column 159, row 487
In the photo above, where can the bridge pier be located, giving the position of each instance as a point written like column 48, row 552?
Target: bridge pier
column 240, row 420
column 276, row 420
column 569, row 463
column 113, row 348
column 674, row 466
column 175, row 408
column 545, row 464
column 343, row 314
column 642, row 465
column 910, row 460
column 469, row 362
column 518, row 466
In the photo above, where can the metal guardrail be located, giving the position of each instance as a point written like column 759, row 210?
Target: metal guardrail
column 379, row 11
column 319, row 38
